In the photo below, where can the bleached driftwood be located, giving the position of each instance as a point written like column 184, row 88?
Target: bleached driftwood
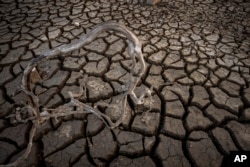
column 134, row 50
column 38, row 116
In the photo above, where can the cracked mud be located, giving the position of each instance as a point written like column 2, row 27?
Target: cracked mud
column 197, row 56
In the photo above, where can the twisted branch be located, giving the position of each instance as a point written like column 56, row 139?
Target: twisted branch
column 38, row 117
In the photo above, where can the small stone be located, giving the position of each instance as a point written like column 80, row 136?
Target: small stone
column 76, row 23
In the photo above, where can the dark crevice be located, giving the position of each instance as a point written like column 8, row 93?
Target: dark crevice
column 87, row 150
column 186, row 137
column 41, row 160
column 234, row 140
column 157, row 160
column 217, row 144
column 66, row 144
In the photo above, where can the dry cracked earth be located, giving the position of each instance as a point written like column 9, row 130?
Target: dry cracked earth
column 197, row 56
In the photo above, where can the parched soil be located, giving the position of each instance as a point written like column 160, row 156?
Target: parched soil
column 197, row 56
